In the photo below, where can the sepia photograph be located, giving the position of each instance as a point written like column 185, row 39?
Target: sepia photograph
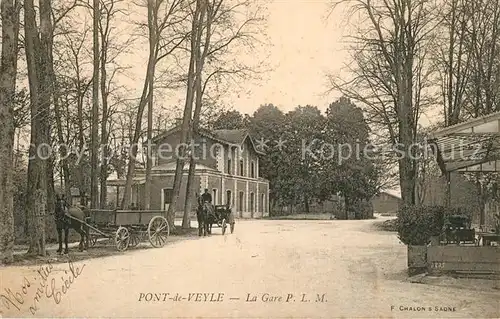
column 250, row 159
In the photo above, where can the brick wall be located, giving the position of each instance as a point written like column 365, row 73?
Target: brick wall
column 240, row 202
column 229, row 185
column 160, row 182
column 264, row 190
column 215, row 183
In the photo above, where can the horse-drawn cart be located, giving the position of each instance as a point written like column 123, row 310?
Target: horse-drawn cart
column 127, row 228
column 222, row 217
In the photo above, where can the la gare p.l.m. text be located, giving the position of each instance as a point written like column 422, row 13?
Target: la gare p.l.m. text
column 289, row 297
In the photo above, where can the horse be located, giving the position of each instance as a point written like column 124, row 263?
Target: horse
column 204, row 214
column 64, row 222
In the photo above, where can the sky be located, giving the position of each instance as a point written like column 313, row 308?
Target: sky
column 306, row 43
column 304, row 46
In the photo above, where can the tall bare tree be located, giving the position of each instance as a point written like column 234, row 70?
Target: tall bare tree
column 94, row 189
column 199, row 59
column 483, row 43
column 37, row 48
column 169, row 37
column 164, row 38
column 71, row 88
column 152, row 47
column 9, row 11
column 58, row 14
column 216, row 48
column 391, row 77
column 453, row 61
column 197, row 15
column 468, row 58
column 109, row 68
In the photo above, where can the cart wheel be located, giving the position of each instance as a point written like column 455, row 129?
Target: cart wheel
column 231, row 227
column 223, row 226
column 158, row 231
column 134, row 240
column 93, row 240
column 122, row 238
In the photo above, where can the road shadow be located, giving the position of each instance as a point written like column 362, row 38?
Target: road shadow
column 103, row 248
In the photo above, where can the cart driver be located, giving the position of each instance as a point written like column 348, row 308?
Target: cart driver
column 206, row 197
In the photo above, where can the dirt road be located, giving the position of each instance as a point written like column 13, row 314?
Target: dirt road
column 266, row 269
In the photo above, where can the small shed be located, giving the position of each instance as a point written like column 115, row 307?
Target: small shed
column 386, row 203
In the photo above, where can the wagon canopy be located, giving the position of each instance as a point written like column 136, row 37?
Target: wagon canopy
column 471, row 146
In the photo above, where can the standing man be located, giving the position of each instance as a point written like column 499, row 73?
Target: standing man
column 206, row 199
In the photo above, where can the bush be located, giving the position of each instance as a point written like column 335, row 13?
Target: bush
column 363, row 209
column 417, row 224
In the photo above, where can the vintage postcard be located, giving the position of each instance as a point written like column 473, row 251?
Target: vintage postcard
column 249, row 159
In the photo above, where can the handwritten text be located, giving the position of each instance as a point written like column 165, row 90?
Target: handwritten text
column 47, row 286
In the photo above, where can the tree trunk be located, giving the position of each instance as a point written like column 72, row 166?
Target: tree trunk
column 80, row 181
column 103, row 199
column 306, row 204
column 47, row 87
column 94, row 189
column 190, row 193
column 347, row 207
column 37, row 51
column 81, row 135
column 404, row 76
column 153, row 54
column 186, row 121
column 50, row 225
column 421, row 183
column 152, row 17
column 447, row 198
column 483, row 199
column 199, row 62
column 63, row 151
column 8, row 71
column 149, row 150
column 50, row 75
column 407, row 163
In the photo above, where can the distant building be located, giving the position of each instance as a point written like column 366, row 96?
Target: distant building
column 386, row 203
